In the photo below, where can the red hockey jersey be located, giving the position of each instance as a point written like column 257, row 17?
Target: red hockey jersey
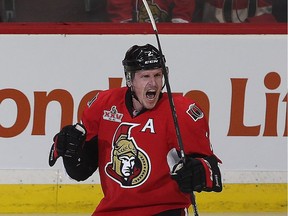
column 136, row 154
column 242, row 11
column 163, row 11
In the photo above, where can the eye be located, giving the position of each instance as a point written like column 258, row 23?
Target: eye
column 158, row 75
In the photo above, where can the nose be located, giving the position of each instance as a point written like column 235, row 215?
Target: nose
column 152, row 81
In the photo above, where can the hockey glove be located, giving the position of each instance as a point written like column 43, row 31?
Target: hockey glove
column 201, row 174
column 67, row 143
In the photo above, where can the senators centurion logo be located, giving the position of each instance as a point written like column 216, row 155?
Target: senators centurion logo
column 129, row 165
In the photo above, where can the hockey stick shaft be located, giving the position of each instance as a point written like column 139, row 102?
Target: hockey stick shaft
column 171, row 101
column 165, row 73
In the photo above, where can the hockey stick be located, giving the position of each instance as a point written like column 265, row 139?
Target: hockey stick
column 171, row 102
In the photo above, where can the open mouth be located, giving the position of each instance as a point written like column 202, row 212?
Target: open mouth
column 151, row 94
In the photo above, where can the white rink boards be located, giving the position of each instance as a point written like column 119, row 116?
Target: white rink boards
column 242, row 74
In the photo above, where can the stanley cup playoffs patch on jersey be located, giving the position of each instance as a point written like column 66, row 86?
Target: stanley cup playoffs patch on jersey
column 195, row 112
column 130, row 165
column 112, row 115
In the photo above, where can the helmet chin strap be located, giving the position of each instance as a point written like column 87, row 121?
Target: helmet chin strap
column 133, row 94
column 167, row 70
column 129, row 84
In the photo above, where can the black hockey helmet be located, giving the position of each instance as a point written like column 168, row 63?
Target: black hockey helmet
column 142, row 58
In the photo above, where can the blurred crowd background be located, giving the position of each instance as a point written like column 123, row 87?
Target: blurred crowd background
column 123, row 11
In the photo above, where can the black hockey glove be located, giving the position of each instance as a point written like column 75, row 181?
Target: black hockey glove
column 201, row 174
column 67, row 143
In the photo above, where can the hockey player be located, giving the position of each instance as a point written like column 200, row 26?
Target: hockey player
column 128, row 134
